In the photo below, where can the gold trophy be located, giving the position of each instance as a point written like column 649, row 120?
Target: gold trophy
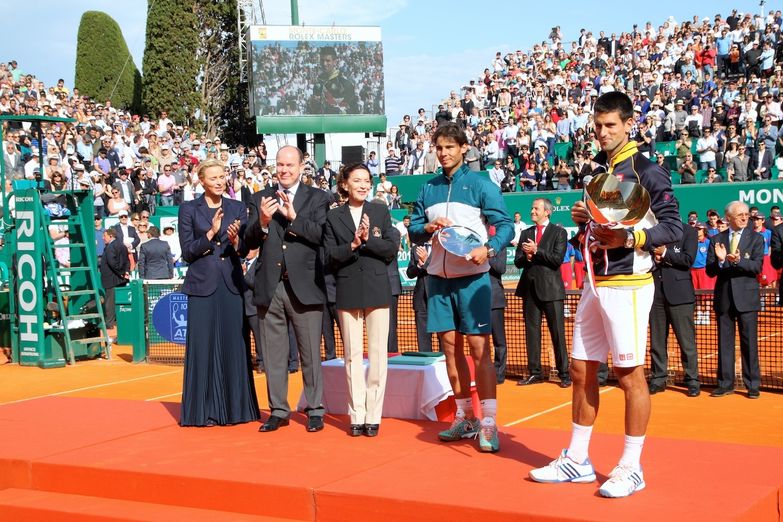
column 616, row 204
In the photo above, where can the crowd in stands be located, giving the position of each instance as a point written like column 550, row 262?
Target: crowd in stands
column 707, row 96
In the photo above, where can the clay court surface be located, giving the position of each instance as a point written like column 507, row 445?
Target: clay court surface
column 100, row 441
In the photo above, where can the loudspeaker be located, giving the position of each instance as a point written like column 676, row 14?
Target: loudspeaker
column 353, row 154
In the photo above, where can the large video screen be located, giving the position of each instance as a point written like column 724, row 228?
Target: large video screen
column 316, row 79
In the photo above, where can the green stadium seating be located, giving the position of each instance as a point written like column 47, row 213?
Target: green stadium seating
column 667, row 148
column 563, row 151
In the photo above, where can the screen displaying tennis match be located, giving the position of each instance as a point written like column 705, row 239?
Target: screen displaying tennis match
column 317, row 78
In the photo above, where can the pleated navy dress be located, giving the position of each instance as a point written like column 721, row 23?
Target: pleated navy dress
column 218, row 384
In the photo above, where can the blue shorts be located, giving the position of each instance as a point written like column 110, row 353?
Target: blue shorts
column 463, row 304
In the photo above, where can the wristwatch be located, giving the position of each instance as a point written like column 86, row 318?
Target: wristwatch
column 630, row 240
column 490, row 251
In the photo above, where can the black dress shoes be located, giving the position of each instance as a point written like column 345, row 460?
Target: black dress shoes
column 721, row 392
column 565, row 383
column 356, row 430
column 657, row 388
column 753, row 393
column 371, row 430
column 533, row 379
column 315, row 423
column 693, row 391
column 272, row 423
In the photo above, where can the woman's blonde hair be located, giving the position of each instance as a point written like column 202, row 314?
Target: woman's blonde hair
column 204, row 165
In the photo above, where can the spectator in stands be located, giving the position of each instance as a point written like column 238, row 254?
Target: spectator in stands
column 713, row 176
column 373, row 164
column 707, row 147
column 392, row 163
column 166, row 183
column 761, row 162
column 172, row 239
column 117, row 204
column 126, row 188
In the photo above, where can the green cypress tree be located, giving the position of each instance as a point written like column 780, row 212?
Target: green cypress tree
column 105, row 69
column 170, row 60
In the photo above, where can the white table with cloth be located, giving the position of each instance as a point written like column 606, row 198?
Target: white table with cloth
column 412, row 391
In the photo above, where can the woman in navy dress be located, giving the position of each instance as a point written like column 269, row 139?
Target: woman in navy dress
column 218, row 383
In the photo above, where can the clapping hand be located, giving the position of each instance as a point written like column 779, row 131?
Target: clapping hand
column 421, row 255
column 233, row 233
column 530, row 248
column 268, row 208
column 733, row 257
column 286, row 207
column 364, row 228
column 720, row 252
column 217, row 220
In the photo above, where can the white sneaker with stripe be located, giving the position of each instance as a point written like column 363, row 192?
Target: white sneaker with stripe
column 623, row 481
column 564, row 469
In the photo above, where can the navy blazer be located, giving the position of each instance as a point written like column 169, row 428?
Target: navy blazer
column 362, row 274
column 737, row 284
column 206, row 259
column 294, row 244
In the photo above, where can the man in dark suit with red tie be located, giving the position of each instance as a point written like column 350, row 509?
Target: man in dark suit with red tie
column 540, row 252
column 286, row 223
column 735, row 257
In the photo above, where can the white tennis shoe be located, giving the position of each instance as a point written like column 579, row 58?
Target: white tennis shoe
column 564, row 469
column 623, row 481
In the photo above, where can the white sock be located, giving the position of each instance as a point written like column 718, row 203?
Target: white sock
column 464, row 408
column 632, row 452
column 580, row 442
column 489, row 410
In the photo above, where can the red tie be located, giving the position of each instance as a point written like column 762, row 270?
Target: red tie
column 539, row 233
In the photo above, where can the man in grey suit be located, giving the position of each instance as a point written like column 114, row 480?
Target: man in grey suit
column 286, row 224
column 735, row 257
column 155, row 258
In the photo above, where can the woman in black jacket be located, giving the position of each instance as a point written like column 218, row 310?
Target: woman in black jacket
column 359, row 245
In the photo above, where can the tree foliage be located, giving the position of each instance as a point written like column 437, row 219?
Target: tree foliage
column 170, row 62
column 105, row 69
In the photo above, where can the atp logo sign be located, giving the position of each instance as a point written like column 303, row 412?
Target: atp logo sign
column 170, row 317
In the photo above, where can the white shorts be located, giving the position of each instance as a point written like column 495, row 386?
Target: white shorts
column 614, row 322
